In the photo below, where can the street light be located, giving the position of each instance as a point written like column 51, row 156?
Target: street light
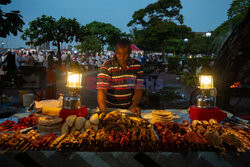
column 208, row 35
column 185, row 40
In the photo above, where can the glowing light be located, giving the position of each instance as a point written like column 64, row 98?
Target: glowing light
column 74, row 80
column 208, row 34
column 236, row 85
column 206, row 82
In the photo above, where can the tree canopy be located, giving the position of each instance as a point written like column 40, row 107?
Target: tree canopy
column 162, row 10
column 238, row 7
column 106, row 33
column 48, row 29
column 158, row 27
column 90, row 44
column 236, row 13
column 165, row 37
column 197, row 44
column 10, row 22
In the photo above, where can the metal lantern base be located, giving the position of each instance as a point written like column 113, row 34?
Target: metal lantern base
column 205, row 101
column 72, row 102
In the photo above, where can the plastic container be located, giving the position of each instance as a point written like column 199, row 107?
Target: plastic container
column 21, row 93
column 28, row 99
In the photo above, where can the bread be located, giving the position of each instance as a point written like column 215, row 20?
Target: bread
column 70, row 120
column 161, row 116
column 87, row 125
column 79, row 122
column 94, row 119
column 49, row 124
column 49, row 120
column 65, row 128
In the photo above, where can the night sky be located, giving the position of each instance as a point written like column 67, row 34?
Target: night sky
column 200, row 15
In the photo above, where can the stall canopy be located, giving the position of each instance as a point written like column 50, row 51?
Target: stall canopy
column 136, row 50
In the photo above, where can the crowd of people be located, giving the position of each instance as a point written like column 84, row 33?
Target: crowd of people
column 14, row 60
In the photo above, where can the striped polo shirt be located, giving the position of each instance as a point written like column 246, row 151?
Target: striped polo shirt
column 120, row 84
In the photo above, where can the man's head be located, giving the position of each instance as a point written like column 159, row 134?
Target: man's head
column 122, row 50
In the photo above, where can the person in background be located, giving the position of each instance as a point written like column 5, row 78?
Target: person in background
column 41, row 59
column 10, row 67
column 24, row 59
column 18, row 60
column 30, row 60
column 143, row 60
column 68, row 61
column 2, row 57
column 34, row 54
column 147, row 60
column 50, row 61
column 64, row 55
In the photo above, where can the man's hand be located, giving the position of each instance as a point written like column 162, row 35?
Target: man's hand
column 101, row 99
column 136, row 110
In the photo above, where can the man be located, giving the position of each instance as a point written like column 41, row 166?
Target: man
column 10, row 61
column 41, row 59
column 120, row 82
column 30, row 60
column 18, row 60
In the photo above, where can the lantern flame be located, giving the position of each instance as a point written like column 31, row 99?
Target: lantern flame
column 206, row 82
column 74, row 80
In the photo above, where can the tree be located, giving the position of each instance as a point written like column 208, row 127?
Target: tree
column 162, row 10
column 197, row 44
column 238, row 7
column 10, row 23
column 90, row 44
column 106, row 33
column 236, row 13
column 156, row 27
column 48, row 29
column 164, row 37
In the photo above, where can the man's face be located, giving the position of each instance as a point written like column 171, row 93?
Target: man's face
column 122, row 53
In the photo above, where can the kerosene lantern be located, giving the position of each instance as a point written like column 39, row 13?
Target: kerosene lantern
column 205, row 84
column 205, row 108
column 72, row 99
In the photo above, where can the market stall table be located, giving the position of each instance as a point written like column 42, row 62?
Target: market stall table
column 54, row 158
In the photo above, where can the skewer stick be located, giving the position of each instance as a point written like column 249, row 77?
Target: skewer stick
column 26, row 145
column 20, row 145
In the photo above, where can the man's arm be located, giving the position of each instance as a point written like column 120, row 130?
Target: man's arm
column 136, row 101
column 137, row 97
column 138, row 92
column 101, row 99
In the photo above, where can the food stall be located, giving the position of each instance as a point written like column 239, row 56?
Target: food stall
column 68, row 133
column 121, row 139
